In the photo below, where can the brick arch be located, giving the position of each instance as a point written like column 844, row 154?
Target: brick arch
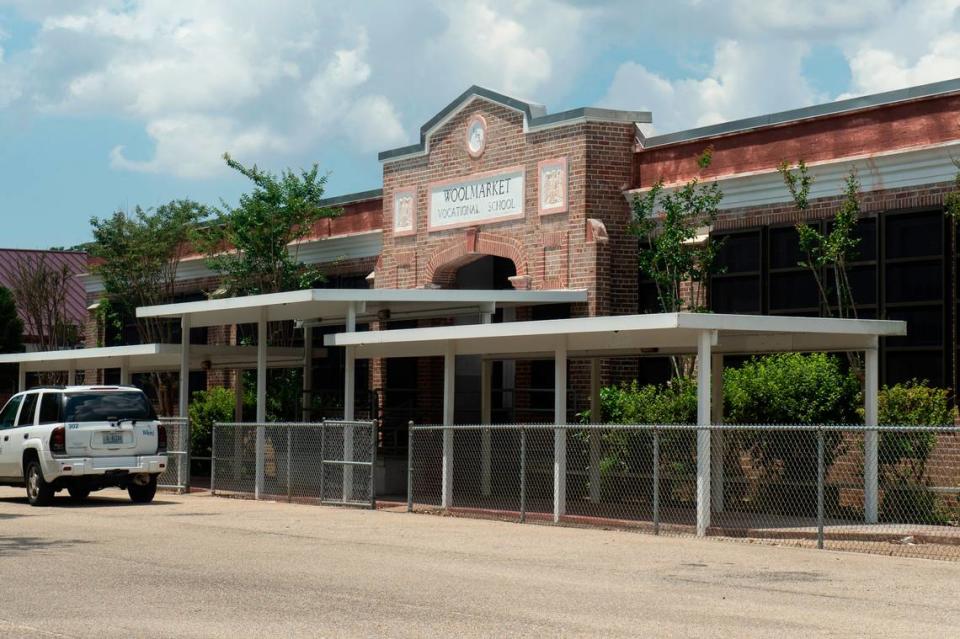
column 442, row 267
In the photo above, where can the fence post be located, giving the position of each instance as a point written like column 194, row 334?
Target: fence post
column 656, row 481
column 410, row 437
column 213, row 460
column 186, row 456
column 323, row 468
column 259, row 452
column 374, row 429
column 820, row 481
column 289, row 459
column 523, row 475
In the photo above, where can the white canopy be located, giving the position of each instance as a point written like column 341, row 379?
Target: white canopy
column 333, row 306
column 653, row 334
column 143, row 358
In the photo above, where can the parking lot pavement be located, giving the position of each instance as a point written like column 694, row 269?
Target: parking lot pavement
column 201, row 566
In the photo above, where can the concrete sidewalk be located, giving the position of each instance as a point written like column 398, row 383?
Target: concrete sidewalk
column 200, row 566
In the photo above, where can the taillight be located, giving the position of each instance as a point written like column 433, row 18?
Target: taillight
column 58, row 441
column 161, row 438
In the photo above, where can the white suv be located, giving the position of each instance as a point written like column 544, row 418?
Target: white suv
column 82, row 438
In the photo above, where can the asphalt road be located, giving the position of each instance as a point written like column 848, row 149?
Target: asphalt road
column 200, row 566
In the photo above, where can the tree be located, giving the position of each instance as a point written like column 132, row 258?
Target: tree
column 40, row 289
column 951, row 208
column 254, row 245
column 676, row 250
column 139, row 255
column 11, row 336
column 828, row 255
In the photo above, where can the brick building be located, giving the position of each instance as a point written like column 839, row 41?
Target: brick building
column 498, row 193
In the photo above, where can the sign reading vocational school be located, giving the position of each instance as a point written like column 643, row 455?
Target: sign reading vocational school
column 488, row 197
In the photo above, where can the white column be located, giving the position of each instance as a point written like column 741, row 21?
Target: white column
column 870, row 438
column 717, row 436
column 72, row 374
column 238, row 397
column 349, row 401
column 449, row 375
column 261, row 402
column 307, row 396
column 703, row 434
column 486, row 381
column 21, row 378
column 560, row 434
column 184, row 365
column 124, row 371
column 595, row 410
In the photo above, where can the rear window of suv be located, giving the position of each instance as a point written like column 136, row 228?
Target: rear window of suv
column 101, row 407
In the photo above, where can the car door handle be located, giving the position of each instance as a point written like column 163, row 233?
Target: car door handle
column 6, row 438
column 26, row 435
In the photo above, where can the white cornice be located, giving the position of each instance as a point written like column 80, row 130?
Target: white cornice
column 930, row 164
column 324, row 251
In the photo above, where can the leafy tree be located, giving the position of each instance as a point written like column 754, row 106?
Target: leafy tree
column 40, row 289
column 672, row 253
column 676, row 250
column 11, row 336
column 828, row 255
column 139, row 255
column 212, row 405
column 951, row 208
column 254, row 245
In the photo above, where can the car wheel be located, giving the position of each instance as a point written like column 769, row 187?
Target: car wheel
column 142, row 490
column 39, row 492
column 77, row 493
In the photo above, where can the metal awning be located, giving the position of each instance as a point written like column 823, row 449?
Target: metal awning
column 333, row 306
column 142, row 358
column 650, row 335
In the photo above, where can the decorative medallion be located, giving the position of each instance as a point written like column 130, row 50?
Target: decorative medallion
column 476, row 136
column 404, row 212
column 552, row 186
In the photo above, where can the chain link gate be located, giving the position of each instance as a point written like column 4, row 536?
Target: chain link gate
column 177, row 475
column 329, row 462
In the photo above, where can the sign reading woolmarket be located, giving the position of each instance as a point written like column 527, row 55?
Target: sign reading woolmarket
column 490, row 197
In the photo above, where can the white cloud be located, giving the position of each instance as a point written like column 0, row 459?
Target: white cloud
column 745, row 79
column 260, row 79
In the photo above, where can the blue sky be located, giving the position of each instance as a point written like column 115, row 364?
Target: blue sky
column 108, row 104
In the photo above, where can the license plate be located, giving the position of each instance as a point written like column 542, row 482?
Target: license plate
column 112, row 438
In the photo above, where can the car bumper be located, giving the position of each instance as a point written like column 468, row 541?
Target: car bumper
column 83, row 466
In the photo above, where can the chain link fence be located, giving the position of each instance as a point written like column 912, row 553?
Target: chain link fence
column 177, row 475
column 330, row 462
column 790, row 485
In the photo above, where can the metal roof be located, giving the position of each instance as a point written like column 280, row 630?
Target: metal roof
column 818, row 110
column 157, row 357
column 76, row 262
column 331, row 306
column 621, row 335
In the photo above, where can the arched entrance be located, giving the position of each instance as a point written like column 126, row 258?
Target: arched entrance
column 487, row 272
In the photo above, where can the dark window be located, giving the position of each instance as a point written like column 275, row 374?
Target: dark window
column 736, row 288
column 9, row 412
column 29, row 410
column 107, row 406
column 51, row 405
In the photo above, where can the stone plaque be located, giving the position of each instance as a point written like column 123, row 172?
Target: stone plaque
column 477, row 199
column 404, row 212
column 552, row 186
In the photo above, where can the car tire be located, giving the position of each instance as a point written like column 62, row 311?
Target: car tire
column 77, row 493
column 142, row 493
column 39, row 492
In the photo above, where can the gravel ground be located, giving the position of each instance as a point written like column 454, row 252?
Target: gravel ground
column 200, row 566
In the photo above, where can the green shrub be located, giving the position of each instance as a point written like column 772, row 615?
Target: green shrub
column 903, row 455
column 671, row 403
column 209, row 406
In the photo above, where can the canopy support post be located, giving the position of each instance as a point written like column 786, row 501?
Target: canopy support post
column 704, row 344
column 184, row 365
column 307, row 396
column 349, row 399
column 72, row 374
column 486, row 379
column 125, row 371
column 595, row 417
column 449, row 376
column 560, row 434
column 261, row 402
column 21, row 378
column 717, row 436
column 870, row 437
